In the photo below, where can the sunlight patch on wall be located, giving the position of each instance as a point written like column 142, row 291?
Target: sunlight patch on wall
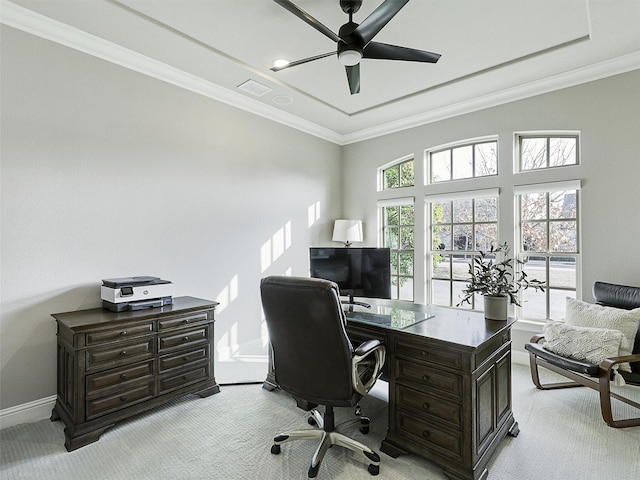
column 228, row 345
column 275, row 247
column 313, row 213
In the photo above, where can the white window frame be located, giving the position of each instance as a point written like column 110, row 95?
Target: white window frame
column 518, row 191
column 430, row 252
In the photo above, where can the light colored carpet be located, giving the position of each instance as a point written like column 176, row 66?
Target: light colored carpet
column 228, row 436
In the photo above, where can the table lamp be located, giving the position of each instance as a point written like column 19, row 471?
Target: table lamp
column 347, row 231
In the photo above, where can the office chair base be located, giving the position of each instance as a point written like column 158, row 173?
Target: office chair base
column 328, row 439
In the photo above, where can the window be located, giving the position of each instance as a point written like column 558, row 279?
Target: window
column 549, row 240
column 470, row 160
column 460, row 225
column 399, row 235
column 399, row 175
column 538, row 152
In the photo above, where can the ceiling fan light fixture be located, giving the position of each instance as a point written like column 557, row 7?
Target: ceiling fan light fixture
column 349, row 58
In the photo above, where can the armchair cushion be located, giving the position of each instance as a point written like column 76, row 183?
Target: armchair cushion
column 587, row 344
column 583, row 314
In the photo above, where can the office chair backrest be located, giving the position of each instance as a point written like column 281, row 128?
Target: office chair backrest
column 311, row 351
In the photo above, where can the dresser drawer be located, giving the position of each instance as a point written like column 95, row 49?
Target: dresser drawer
column 428, row 379
column 122, row 332
column 119, row 376
column 183, row 338
column 117, row 401
column 169, row 382
column 446, row 442
column 409, row 398
column 182, row 320
column 120, row 354
column 168, row 362
column 429, row 354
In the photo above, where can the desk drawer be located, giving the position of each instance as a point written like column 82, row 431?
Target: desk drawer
column 118, row 401
column 428, row 379
column 120, row 354
column 409, row 398
column 446, row 442
column 119, row 376
column 182, row 320
column 187, row 376
column 168, row 362
column 183, row 338
column 429, row 354
column 122, row 332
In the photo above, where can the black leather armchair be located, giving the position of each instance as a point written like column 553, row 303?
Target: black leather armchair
column 316, row 364
column 595, row 376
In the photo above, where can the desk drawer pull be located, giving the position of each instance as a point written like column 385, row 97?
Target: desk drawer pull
column 123, row 376
column 186, row 320
column 186, row 339
column 123, row 353
column 123, row 333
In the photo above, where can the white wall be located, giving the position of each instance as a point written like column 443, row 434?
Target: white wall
column 108, row 173
column 607, row 114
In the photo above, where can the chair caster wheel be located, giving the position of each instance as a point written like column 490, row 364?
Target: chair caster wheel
column 275, row 449
column 313, row 471
column 364, row 430
column 374, row 469
column 312, row 421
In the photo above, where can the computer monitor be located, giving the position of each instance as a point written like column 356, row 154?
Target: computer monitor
column 358, row 271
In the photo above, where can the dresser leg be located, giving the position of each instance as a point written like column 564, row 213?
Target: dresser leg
column 209, row 391
column 514, row 430
column 74, row 442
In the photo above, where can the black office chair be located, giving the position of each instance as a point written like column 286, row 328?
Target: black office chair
column 315, row 363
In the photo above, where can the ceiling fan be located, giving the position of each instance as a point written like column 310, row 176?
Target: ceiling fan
column 354, row 40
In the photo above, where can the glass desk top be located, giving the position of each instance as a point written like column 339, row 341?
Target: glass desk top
column 386, row 316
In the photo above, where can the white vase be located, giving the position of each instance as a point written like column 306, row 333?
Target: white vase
column 496, row 307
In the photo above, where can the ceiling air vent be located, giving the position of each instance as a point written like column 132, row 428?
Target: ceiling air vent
column 254, row 88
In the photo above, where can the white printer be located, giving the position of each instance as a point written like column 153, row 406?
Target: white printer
column 135, row 293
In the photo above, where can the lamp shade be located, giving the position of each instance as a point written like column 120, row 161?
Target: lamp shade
column 347, row 231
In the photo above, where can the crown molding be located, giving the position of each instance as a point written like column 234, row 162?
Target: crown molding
column 39, row 25
column 590, row 73
column 44, row 27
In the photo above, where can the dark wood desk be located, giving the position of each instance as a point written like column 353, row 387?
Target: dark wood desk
column 449, row 382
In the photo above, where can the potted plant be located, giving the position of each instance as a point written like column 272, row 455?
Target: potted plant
column 495, row 280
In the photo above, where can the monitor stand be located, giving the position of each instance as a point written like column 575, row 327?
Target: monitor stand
column 351, row 302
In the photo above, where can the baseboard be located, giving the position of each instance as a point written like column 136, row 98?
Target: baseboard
column 27, row 412
column 521, row 358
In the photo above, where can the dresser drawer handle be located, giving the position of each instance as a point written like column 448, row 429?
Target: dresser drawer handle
column 123, row 333
column 425, row 378
column 123, row 376
column 426, row 406
column 423, row 353
column 426, row 434
column 186, row 320
column 186, row 339
column 123, row 399
column 123, row 353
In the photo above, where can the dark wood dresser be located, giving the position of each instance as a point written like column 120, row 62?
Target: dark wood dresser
column 115, row 365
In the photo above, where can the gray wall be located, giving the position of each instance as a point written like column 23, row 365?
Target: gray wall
column 607, row 114
column 108, row 173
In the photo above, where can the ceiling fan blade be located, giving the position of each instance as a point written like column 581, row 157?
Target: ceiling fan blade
column 384, row 51
column 353, row 75
column 300, row 62
column 304, row 16
column 378, row 19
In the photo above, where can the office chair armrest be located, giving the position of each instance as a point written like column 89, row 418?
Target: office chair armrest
column 362, row 354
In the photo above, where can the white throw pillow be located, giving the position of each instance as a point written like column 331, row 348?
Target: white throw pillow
column 583, row 314
column 588, row 344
